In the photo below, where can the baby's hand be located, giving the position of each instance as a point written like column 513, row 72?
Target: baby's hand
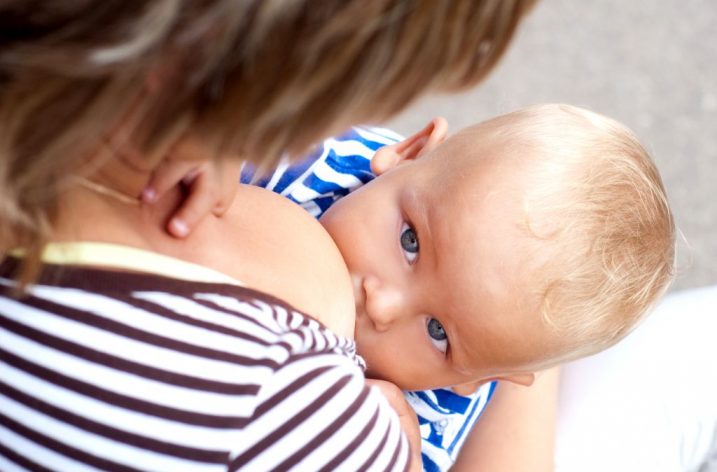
column 406, row 415
column 210, row 185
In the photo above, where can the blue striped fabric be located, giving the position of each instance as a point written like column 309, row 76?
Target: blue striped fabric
column 445, row 419
column 335, row 168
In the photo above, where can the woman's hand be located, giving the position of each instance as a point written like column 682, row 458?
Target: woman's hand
column 407, row 417
column 209, row 185
column 516, row 432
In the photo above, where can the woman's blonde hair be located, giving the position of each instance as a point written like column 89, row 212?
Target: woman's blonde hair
column 598, row 200
column 257, row 78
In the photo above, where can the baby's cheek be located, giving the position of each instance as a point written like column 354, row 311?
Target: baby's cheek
column 383, row 359
column 398, row 359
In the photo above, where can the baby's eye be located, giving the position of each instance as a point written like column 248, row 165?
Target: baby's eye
column 409, row 243
column 438, row 335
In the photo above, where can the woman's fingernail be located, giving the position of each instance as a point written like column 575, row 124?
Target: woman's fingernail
column 179, row 228
column 149, row 195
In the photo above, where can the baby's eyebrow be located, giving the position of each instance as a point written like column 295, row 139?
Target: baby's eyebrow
column 462, row 356
column 458, row 362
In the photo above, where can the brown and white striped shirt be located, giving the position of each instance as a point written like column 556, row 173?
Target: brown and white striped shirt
column 110, row 370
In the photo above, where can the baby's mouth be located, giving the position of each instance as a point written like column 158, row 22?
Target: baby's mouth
column 359, row 295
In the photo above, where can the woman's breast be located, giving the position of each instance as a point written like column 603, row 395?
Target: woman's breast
column 273, row 245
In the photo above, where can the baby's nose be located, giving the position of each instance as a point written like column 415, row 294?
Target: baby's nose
column 385, row 303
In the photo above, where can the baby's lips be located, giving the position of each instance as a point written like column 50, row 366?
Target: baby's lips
column 359, row 294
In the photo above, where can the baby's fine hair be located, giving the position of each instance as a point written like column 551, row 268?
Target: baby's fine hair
column 252, row 78
column 597, row 198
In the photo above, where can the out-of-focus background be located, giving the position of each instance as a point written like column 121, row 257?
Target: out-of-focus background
column 651, row 64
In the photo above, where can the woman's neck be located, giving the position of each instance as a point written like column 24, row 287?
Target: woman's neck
column 94, row 211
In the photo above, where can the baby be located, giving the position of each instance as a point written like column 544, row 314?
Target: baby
column 520, row 243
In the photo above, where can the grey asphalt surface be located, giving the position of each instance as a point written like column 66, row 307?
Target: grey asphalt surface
column 649, row 64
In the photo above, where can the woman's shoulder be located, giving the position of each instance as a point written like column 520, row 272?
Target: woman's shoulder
column 221, row 326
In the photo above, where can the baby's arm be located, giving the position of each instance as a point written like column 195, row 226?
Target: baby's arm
column 333, row 169
column 517, row 431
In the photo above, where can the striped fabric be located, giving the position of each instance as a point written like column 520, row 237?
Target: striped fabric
column 334, row 169
column 103, row 370
column 445, row 419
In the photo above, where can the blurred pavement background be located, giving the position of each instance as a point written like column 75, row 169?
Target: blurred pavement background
column 651, row 64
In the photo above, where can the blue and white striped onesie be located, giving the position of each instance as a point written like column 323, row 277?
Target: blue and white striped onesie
column 335, row 168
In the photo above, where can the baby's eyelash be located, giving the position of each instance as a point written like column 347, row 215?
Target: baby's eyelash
column 409, row 242
column 437, row 334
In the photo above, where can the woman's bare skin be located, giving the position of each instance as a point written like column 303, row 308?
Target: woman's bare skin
column 263, row 240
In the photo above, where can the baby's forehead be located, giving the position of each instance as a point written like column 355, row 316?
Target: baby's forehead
column 476, row 188
column 517, row 348
column 498, row 297
column 465, row 157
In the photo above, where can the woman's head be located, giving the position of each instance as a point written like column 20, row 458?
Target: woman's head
column 252, row 78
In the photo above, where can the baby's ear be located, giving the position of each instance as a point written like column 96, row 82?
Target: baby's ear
column 526, row 379
column 468, row 388
column 410, row 148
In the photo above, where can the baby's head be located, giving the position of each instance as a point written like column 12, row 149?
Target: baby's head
column 522, row 242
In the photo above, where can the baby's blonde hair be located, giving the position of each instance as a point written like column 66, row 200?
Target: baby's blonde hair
column 597, row 198
column 254, row 78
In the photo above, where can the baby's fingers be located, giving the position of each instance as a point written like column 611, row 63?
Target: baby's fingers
column 200, row 201
column 168, row 174
column 406, row 416
column 227, row 183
